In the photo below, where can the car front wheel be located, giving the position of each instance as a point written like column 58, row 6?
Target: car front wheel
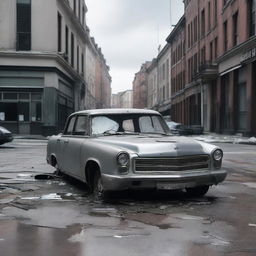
column 197, row 191
column 98, row 190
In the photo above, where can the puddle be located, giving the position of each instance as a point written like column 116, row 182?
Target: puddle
column 130, row 235
column 188, row 217
column 24, row 175
column 250, row 184
column 216, row 240
column 52, row 196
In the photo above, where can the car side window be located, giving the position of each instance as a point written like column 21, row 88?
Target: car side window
column 81, row 126
column 70, row 127
column 146, row 124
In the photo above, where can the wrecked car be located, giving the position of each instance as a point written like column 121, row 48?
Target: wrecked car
column 122, row 149
column 5, row 135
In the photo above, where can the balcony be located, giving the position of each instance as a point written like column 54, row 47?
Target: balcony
column 207, row 71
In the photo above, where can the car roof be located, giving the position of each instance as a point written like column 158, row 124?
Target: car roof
column 117, row 111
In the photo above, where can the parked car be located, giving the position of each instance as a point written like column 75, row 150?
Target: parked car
column 5, row 135
column 179, row 129
column 120, row 149
column 196, row 129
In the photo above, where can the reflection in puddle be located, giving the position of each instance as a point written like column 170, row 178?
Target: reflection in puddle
column 52, row 196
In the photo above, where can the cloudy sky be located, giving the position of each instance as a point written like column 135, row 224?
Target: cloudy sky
column 129, row 32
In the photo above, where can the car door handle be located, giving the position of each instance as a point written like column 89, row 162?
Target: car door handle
column 66, row 141
column 58, row 140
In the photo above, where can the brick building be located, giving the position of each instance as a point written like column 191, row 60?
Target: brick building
column 213, row 78
column 140, row 87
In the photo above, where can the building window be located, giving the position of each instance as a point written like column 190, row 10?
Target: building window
column 72, row 49
column 77, row 59
column 209, row 16
column 79, row 10
column 23, row 25
column 225, row 31
column 67, row 40
column 215, row 11
column 202, row 23
column 83, row 17
column 82, row 58
column 211, row 51
column 21, row 107
column 75, row 7
column 216, row 48
column 59, row 31
column 251, row 15
column 235, row 29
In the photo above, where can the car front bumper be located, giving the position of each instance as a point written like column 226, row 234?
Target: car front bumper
column 170, row 181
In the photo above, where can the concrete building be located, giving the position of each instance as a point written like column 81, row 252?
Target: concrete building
column 140, row 85
column 126, row 99
column 44, row 57
column 164, row 81
column 159, row 82
column 122, row 99
column 115, row 102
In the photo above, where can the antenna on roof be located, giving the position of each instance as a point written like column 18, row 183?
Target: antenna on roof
column 171, row 13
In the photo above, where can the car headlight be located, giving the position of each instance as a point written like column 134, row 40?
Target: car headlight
column 123, row 159
column 217, row 155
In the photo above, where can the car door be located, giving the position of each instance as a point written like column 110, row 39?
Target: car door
column 73, row 161
column 62, row 144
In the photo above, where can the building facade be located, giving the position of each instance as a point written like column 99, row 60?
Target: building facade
column 159, row 82
column 43, row 64
column 212, row 68
column 220, row 58
column 140, row 85
column 122, row 99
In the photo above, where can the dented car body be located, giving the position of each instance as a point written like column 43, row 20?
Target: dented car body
column 120, row 149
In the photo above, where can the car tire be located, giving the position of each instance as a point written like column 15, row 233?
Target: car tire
column 98, row 190
column 197, row 191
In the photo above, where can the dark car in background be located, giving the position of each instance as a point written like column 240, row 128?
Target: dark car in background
column 5, row 135
column 179, row 129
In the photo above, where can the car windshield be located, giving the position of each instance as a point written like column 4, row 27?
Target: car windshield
column 127, row 124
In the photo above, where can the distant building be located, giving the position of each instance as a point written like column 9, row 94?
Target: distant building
column 159, row 82
column 47, row 64
column 140, row 87
column 122, row 99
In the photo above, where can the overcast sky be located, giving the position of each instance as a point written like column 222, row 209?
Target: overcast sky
column 129, row 32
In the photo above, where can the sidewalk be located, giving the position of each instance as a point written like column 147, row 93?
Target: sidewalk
column 29, row 137
column 207, row 137
column 222, row 138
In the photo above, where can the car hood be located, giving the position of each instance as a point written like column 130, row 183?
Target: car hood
column 157, row 145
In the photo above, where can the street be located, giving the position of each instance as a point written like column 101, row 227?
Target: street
column 58, row 217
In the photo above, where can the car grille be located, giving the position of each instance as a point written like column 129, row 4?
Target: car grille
column 171, row 164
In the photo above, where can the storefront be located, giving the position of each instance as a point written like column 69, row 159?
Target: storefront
column 237, row 93
column 35, row 102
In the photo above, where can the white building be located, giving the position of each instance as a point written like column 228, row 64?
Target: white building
column 43, row 54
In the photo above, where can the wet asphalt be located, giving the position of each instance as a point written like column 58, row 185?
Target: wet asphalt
column 58, row 216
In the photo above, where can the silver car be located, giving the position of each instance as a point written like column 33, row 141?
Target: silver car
column 120, row 149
